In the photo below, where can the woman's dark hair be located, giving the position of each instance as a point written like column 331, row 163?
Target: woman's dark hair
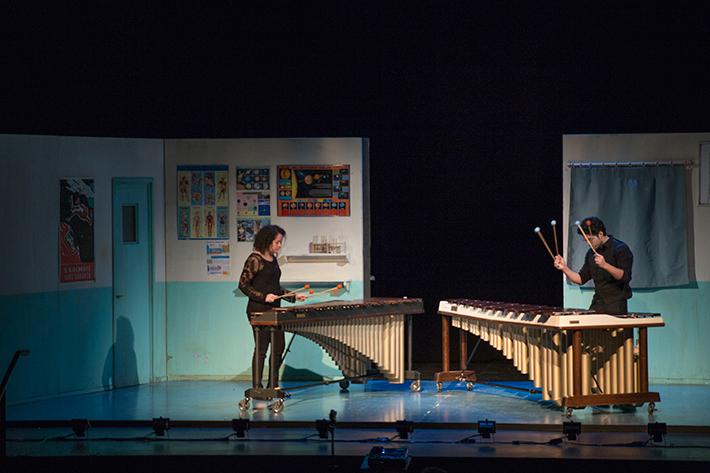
column 266, row 236
column 592, row 226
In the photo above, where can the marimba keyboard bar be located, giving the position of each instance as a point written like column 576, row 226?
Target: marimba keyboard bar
column 577, row 358
column 354, row 333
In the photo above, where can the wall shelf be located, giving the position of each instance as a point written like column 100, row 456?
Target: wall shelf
column 317, row 258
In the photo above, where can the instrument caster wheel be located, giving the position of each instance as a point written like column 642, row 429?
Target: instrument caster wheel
column 244, row 404
column 344, row 384
column 438, row 387
column 416, row 386
column 469, row 386
column 277, row 406
column 651, row 407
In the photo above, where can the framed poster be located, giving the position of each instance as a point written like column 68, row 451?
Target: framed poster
column 203, row 202
column 76, row 230
column 247, row 228
column 252, row 179
column 705, row 173
column 313, row 190
column 253, row 201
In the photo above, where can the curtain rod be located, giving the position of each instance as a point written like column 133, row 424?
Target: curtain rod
column 688, row 163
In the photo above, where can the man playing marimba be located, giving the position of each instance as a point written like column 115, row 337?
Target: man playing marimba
column 608, row 262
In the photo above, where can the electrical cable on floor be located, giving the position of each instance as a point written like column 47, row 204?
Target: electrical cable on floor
column 469, row 439
column 230, row 437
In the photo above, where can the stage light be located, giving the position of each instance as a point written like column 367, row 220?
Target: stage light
column 80, row 426
column 404, row 428
column 571, row 429
column 657, row 430
column 240, row 427
column 323, row 426
column 161, row 425
column 486, row 428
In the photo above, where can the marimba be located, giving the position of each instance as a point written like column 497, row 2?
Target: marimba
column 359, row 335
column 576, row 358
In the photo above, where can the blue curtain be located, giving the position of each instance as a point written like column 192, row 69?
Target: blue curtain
column 643, row 206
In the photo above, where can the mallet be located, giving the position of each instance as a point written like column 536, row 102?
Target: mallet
column 542, row 238
column 305, row 286
column 554, row 234
column 585, row 236
column 312, row 294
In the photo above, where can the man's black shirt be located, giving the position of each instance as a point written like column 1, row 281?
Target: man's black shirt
column 607, row 289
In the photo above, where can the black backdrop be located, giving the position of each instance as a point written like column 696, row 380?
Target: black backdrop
column 465, row 104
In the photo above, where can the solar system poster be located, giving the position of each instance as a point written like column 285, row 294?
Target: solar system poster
column 314, row 190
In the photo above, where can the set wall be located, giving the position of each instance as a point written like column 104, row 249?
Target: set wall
column 67, row 327
column 677, row 353
column 208, row 335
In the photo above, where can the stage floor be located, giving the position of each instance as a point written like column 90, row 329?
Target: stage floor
column 374, row 401
column 366, row 415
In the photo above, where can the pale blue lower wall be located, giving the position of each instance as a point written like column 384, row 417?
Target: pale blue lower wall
column 209, row 335
column 160, row 367
column 70, row 334
column 677, row 352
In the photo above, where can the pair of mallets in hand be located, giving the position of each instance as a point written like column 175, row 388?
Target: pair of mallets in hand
column 554, row 234
column 311, row 293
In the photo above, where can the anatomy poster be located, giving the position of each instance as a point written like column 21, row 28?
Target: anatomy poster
column 203, row 202
column 76, row 230
column 313, row 190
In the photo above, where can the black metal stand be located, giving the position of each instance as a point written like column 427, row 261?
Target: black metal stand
column 3, row 406
column 273, row 391
column 410, row 373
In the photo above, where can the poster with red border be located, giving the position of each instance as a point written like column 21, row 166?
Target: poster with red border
column 313, row 190
column 76, row 230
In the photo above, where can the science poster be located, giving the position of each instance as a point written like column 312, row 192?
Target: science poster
column 313, row 191
column 253, row 202
column 218, row 261
column 203, row 202
column 247, row 228
column 253, row 179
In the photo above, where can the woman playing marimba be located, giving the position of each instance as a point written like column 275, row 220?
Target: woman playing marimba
column 260, row 282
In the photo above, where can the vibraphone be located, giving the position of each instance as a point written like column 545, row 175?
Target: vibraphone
column 356, row 334
column 577, row 358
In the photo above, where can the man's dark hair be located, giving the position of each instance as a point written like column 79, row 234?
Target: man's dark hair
column 592, row 226
column 266, row 236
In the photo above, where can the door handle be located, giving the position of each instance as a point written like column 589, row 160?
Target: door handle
column 118, row 296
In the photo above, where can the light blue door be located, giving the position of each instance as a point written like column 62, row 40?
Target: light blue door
column 132, row 281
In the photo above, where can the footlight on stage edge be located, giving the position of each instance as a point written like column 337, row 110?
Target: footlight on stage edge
column 240, row 427
column 571, row 429
column 486, row 428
